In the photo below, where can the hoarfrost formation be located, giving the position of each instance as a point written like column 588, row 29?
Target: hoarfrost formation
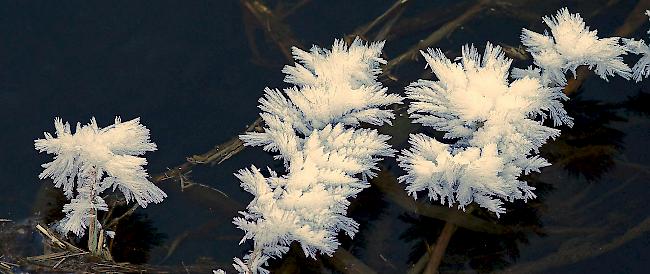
column 327, row 159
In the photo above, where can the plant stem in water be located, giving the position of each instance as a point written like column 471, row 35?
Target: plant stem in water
column 439, row 250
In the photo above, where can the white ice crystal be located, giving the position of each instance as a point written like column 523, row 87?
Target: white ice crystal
column 572, row 44
column 495, row 124
column 94, row 159
column 327, row 158
column 642, row 68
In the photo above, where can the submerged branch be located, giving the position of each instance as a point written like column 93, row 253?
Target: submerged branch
column 437, row 35
column 426, row 20
column 396, row 8
column 214, row 156
column 573, row 253
column 347, row 263
column 396, row 193
column 439, row 250
column 272, row 25
column 117, row 220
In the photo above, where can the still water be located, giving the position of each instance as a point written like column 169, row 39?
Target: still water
column 193, row 71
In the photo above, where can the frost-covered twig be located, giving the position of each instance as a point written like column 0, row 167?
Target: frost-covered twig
column 497, row 124
column 92, row 160
column 493, row 123
column 571, row 44
column 328, row 160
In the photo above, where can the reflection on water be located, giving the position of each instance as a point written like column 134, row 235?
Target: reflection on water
column 590, row 146
column 137, row 237
column 194, row 72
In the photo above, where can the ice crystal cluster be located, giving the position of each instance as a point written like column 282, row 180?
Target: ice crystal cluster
column 571, row 44
column 92, row 160
column 642, row 68
column 313, row 128
column 494, row 125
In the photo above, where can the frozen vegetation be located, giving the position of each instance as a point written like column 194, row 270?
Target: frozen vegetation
column 494, row 126
column 92, row 160
column 313, row 128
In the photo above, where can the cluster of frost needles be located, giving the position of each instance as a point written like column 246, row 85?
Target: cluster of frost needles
column 495, row 125
column 313, row 128
column 92, row 160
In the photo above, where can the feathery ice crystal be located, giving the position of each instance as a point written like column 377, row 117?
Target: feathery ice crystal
column 493, row 121
column 94, row 159
column 642, row 68
column 497, row 125
column 327, row 159
column 572, row 44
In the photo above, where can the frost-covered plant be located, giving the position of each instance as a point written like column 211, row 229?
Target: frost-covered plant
column 571, row 44
column 92, row 160
column 496, row 125
column 642, row 68
column 493, row 123
column 327, row 159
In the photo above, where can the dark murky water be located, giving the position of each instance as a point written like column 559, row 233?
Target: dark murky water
column 189, row 71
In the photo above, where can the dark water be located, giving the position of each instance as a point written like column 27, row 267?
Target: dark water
column 188, row 70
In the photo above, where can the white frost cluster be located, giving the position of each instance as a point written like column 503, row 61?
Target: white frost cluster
column 93, row 159
column 492, row 122
column 572, row 44
column 328, row 160
column 496, row 125
column 642, row 68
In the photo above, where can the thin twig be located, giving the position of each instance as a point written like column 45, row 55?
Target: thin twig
column 115, row 221
column 437, row 35
column 282, row 14
column 51, row 236
column 345, row 262
column 216, row 155
column 272, row 26
column 10, row 264
column 439, row 250
column 427, row 19
column 420, row 264
column 387, row 184
column 56, row 256
column 109, row 214
column 396, row 7
column 581, row 251
column 387, row 28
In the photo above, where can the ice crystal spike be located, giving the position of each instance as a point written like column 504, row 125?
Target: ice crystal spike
column 313, row 128
column 93, row 159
